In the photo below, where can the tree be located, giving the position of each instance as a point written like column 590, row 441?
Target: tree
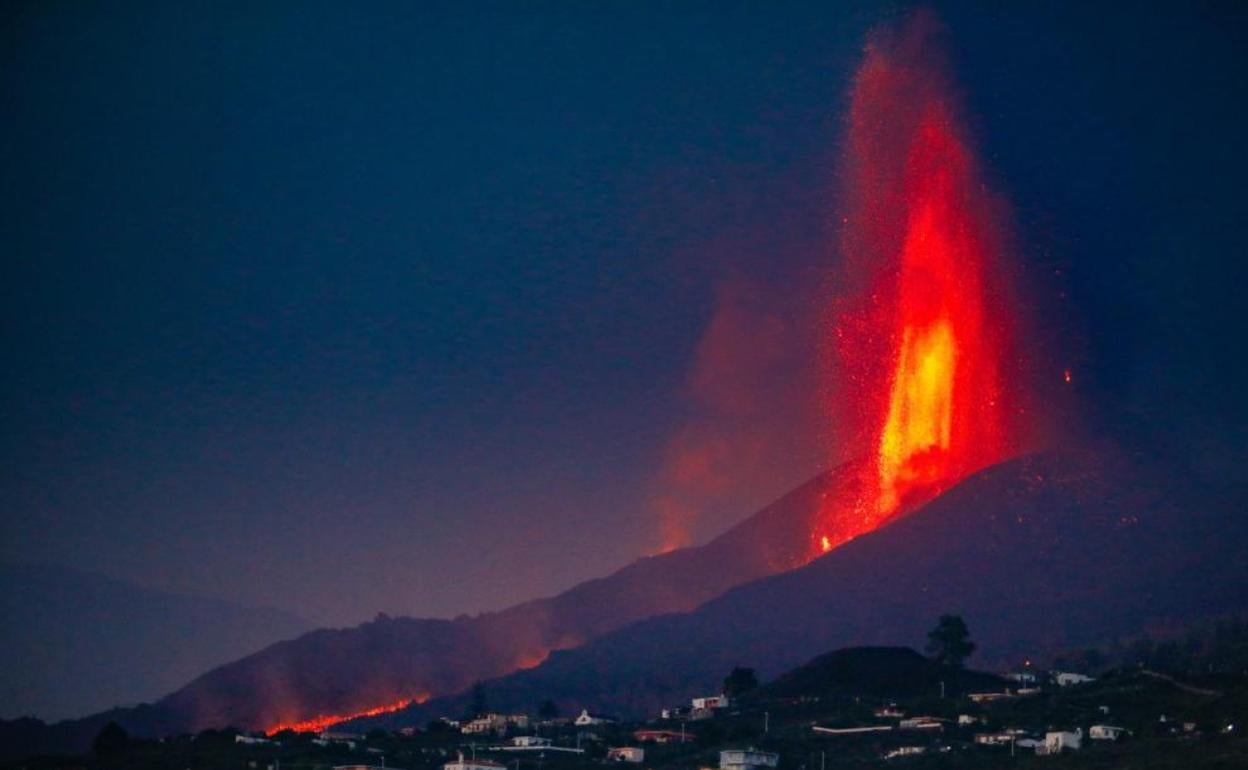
column 950, row 641
column 740, row 681
column 477, row 706
column 112, row 740
column 548, row 709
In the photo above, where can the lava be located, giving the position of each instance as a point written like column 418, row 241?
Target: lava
column 324, row 721
column 925, row 344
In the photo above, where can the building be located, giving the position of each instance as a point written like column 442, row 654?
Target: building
column 495, row 724
column 891, row 711
column 529, row 742
column 1068, row 678
column 1022, row 677
column 1106, row 732
column 661, row 736
column 632, row 754
column 989, row 697
column 362, row 767
column 676, row 713
column 710, row 702
column 1059, row 741
column 921, row 723
column 904, row 751
column 250, row 740
column 470, row 764
column 968, row 719
column 585, row 719
column 747, row 759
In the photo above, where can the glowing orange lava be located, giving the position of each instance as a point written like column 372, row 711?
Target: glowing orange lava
column 322, row 722
column 926, row 345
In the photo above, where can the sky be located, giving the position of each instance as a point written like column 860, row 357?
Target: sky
column 430, row 309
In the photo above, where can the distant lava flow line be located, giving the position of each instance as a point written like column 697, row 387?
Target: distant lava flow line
column 324, row 721
column 925, row 343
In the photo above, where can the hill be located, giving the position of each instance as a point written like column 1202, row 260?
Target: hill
column 1045, row 552
column 884, row 672
column 348, row 671
column 73, row 642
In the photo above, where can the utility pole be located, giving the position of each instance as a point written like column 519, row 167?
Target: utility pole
column 766, row 722
column 942, row 689
column 823, row 760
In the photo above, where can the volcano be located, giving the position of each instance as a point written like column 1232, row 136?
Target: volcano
column 1042, row 553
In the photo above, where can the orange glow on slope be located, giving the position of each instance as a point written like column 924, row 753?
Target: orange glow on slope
column 324, row 721
column 925, row 346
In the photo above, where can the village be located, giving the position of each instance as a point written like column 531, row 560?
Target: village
column 1052, row 719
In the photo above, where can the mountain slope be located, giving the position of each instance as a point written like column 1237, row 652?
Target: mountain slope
column 347, row 671
column 73, row 642
column 1040, row 553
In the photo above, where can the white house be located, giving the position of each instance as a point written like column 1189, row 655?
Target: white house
column 585, row 719
column 968, row 719
column 530, row 742
column 472, row 764
column 496, row 724
column 1106, row 732
column 747, row 759
column 632, row 754
column 921, row 723
column 1067, row 678
column 250, row 740
column 711, row 702
column 1056, row 742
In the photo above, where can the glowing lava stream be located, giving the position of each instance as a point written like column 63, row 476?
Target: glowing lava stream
column 324, row 721
column 926, row 345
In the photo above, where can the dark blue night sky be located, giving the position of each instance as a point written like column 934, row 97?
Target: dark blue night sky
column 355, row 307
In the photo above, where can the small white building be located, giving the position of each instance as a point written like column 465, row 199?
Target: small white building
column 968, row 719
column 1106, row 732
column 250, row 740
column 921, row 723
column 1058, row 741
column 530, row 742
column 747, row 759
column 471, row 764
column 905, row 751
column 891, row 711
column 1068, row 678
column 632, row 754
column 710, row 702
column 495, row 724
column 585, row 719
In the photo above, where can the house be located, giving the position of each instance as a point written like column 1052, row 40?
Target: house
column 1001, row 738
column 661, row 736
column 904, row 751
column 529, row 742
column 710, row 702
column 1068, row 678
column 676, row 713
column 988, row 697
column 891, row 711
column 965, row 720
column 1022, row 677
column 470, row 764
column 1058, row 741
column 626, row 754
column 585, row 719
column 495, row 724
column 747, row 759
column 1106, row 732
column 250, row 740
column 921, row 723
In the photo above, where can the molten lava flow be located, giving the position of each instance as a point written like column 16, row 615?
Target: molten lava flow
column 324, row 721
column 925, row 347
